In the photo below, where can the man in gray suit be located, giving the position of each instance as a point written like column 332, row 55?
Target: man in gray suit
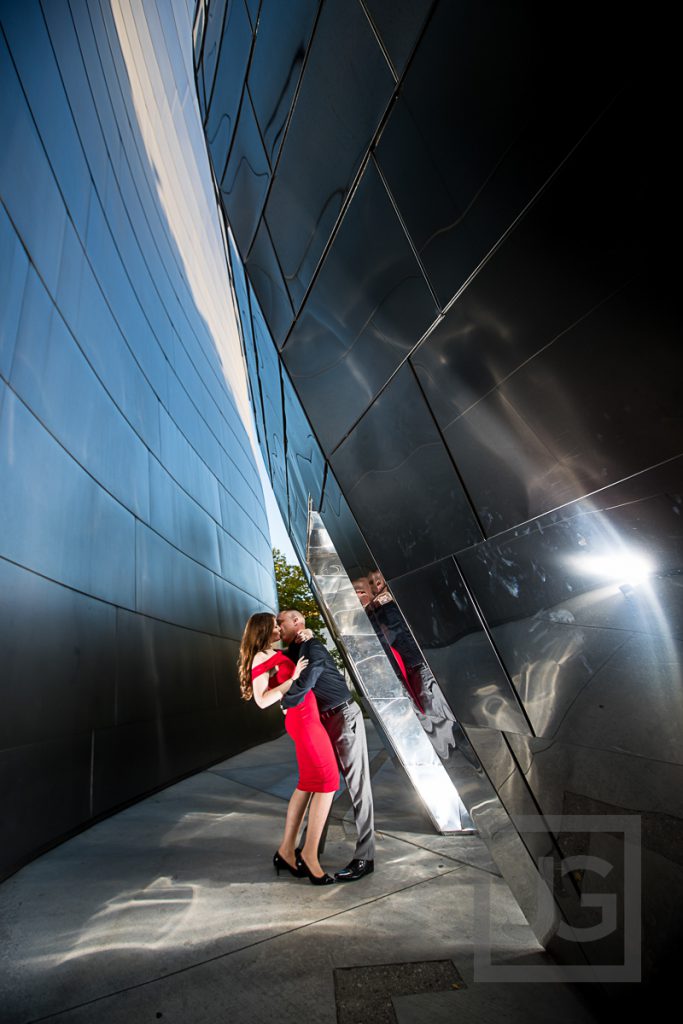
column 343, row 721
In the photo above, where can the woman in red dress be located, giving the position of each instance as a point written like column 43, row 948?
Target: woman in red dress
column 267, row 674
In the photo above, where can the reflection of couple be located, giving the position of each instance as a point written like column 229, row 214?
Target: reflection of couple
column 406, row 659
column 393, row 634
column 328, row 733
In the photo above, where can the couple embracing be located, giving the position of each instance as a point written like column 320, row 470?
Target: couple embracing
column 327, row 728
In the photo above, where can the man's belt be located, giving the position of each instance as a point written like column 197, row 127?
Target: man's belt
column 334, row 710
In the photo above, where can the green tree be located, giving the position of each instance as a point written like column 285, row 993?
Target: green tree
column 293, row 591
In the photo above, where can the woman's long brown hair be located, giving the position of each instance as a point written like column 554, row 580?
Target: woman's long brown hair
column 256, row 637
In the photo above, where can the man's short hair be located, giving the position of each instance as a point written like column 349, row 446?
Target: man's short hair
column 292, row 611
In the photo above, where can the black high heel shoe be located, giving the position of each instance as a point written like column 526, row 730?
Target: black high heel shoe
column 323, row 879
column 281, row 864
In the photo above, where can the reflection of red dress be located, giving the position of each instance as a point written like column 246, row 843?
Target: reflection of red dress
column 318, row 771
column 408, row 678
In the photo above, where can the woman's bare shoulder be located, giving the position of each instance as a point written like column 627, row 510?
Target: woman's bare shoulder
column 261, row 656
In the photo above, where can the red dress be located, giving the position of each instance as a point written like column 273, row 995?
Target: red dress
column 318, row 771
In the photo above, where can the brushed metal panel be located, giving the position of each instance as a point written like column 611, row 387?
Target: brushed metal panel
column 171, row 586
column 13, row 277
column 161, row 670
column 55, row 519
column 74, row 406
column 58, row 659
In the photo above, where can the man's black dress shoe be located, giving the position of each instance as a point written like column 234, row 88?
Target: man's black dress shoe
column 355, row 870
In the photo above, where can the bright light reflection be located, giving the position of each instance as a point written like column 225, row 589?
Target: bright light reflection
column 621, row 568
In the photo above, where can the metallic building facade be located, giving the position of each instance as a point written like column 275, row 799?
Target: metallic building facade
column 449, row 225
column 133, row 537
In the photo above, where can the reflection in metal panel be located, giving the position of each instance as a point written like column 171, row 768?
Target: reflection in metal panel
column 388, row 702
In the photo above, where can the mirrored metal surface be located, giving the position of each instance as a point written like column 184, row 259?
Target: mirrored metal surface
column 400, row 482
column 275, row 70
column 378, row 684
column 346, row 538
column 511, row 103
column 271, row 396
column 348, row 340
column 585, row 608
column 344, row 91
column 232, row 57
column 399, row 23
column 454, row 640
column 267, row 281
column 521, row 492
column 247, row 175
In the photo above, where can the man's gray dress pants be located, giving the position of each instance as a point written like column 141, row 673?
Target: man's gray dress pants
column 346, row 729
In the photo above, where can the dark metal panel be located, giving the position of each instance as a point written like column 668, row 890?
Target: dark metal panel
column 245, row 182
column 368, row 307
column 198, row 28
column 514, row 107
column 225, row 655
column 572, row 250
column 46, row 793
column 305, row 464
column 55, row 519
column 140, row 756
column 400, row 482
column 161, row 670
column 233, row 57
column 253, row 10
column 58, row 654
column 235, row 606
column 268, row 284
column 398, row 23
column 283, row 35
column 171, row 586
column 213, row 28
column 271, row 393
column 553, row 431
column 345, row 89
column 244, row 313
column 572, row 288
column 346, row 538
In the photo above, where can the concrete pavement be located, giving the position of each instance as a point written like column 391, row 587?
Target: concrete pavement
column 171, row 911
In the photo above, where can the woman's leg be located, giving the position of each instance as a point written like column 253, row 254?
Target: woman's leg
column 296, row 809
column 317, row 816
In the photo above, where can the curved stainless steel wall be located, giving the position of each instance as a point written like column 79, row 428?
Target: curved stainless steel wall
column 133, row 537
column 452, row 219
